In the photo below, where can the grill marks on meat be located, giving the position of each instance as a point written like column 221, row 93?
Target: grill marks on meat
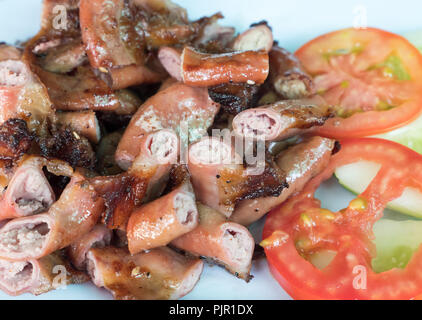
column 164, row 23
column 84, row 123
column 154, row 275
column 109, row 34
column 121, row 195
column 238, row 185
column 221, row 181
column 23, row 96
column 82, row 90
column 301, row 163
column 67, row 145
column 234, row 97
column 58, row 58
column 83, row 71
column 15, row 139
column 144, row 180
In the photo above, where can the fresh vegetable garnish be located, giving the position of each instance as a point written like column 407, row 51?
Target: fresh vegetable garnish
column 333, row 255
column 409, row 135
column 357, row 176
column 372, row 78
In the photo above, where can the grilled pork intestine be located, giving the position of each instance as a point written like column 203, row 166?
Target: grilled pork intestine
column 282, row 119
column 157, row 274
column 22, row 94
column 177, row 106
column 38, row 276
column 144, row 180
column 75, row 213
column 287, row 76
column 301, row 163
column 222, row 241
column 221, row 180
column 58, row 57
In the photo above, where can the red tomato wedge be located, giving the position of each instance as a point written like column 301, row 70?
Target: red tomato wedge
column 300, row 231
column 372, row 78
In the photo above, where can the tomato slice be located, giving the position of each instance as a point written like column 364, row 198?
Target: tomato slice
column 371, row 77
column 299, row 232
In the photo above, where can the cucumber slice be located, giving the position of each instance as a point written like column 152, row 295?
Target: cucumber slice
column 356, row 177
column 415, row 38
column 396, row 242
column 409, row 135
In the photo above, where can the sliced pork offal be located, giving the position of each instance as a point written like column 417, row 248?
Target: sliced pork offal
column 224, row 242
column 37, row 276
column 282, row 119
column 28, row 192
column 170, row 108
column 74, row 214
column 99, row 237
column 163, row 220
column 221, row 180
column 301, row 163
column 157, row 274
column 144, row 181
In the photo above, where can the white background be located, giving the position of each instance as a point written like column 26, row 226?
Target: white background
column 294, row 23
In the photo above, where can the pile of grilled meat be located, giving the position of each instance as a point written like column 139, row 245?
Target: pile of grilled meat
column 108, row 165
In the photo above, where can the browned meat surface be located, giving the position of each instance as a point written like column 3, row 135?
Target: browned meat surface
column 15, row 139
column 224, row 242
column 69, row 146
column 38, row 276
column 234, row 97
column 282, row 119
column 287, row 76
column 157, row 274
column 221, row 181
column 301, row 163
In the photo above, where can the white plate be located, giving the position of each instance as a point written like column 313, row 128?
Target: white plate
column 294, row 23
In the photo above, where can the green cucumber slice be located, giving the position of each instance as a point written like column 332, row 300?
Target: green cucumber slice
column 396, row 242
column 356, row 177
